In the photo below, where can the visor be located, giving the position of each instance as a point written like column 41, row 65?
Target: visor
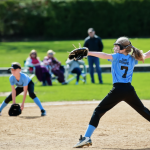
column 121, row 46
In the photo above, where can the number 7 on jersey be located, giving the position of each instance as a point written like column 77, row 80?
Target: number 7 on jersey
column 126, row 70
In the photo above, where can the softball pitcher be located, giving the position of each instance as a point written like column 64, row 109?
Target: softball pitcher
column 122, row 70
column 23, row 83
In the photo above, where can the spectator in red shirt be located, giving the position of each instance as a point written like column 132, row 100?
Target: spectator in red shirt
column 41, row 72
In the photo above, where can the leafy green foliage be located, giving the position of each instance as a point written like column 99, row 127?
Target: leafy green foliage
column 70, row 19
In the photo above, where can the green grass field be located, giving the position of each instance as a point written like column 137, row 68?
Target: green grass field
column 88, row 91
column 19, row 51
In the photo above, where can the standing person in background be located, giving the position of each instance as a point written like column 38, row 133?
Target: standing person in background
column 94, row 43
column 55, row 66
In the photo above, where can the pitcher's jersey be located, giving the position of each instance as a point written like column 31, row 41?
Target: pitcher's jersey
column 24, row 80
column 122, row 67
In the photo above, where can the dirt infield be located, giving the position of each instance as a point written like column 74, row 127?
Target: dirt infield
column 120, row 128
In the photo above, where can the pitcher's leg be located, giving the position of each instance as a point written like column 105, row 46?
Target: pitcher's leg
column 106, row 104
column 133, row 100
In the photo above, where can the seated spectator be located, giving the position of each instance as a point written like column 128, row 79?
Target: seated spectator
column 74, row 67
column 41, row 72
column 55, row 66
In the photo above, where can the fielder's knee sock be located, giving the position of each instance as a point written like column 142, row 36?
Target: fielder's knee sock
column 89, row 131
column 37, row 101
column 2, row 106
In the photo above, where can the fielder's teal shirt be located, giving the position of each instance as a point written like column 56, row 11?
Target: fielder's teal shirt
column 24, row 80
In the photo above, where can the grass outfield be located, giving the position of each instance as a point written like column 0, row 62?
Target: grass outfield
column 19, row 51
column 88, row 91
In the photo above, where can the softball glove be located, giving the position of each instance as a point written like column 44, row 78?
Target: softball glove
column 78, row 53
column 14, row 110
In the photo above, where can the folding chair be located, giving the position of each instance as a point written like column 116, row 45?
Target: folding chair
column 74, row 76
column 27, row 71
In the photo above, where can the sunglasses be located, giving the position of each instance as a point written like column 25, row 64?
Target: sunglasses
column 33, row 54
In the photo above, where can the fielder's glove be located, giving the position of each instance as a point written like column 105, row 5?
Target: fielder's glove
column 79, row 53
column 14, row 110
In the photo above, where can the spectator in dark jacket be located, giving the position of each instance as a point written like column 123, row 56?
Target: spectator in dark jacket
column 94, row 43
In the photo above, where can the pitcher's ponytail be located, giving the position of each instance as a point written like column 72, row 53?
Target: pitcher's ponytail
column 137, row 54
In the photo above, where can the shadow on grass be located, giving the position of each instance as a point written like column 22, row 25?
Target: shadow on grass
column 29, row 117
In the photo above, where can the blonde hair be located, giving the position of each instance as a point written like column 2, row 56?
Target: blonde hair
column 33, row 51
column 16, row 63
column 126, row 44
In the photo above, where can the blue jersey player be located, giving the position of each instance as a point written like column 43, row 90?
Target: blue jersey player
column 23, row 83
column 122, row 70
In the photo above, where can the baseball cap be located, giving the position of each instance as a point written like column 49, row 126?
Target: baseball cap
column 15, row 66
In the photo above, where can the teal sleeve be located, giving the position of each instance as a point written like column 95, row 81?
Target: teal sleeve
column 115, row 57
